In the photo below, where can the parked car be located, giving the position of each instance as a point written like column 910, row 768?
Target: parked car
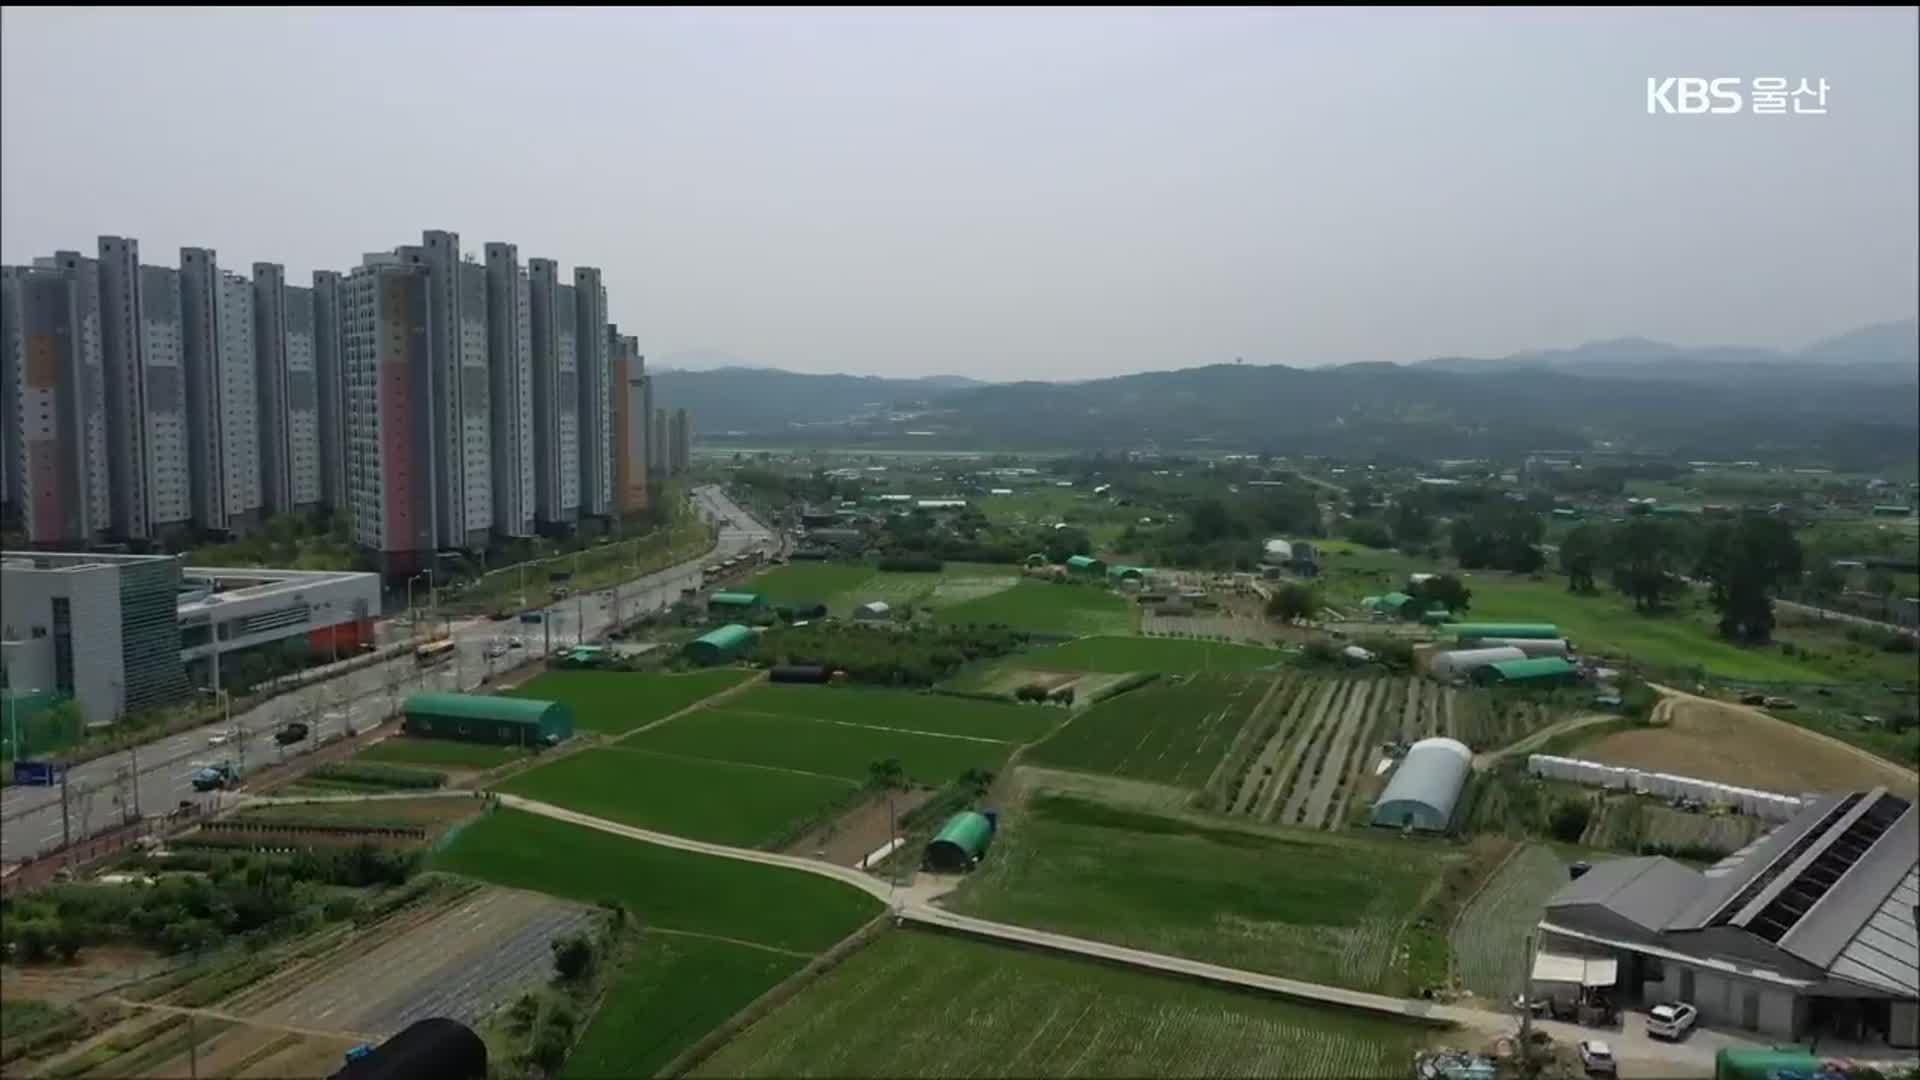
column 1671, row 1020
column 222, row 738
column 1597, row 1058
column 515, row 643
column 291, row 733
column 496, row 649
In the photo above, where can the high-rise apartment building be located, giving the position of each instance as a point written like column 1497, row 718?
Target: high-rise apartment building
column 660, row 444
column 286, row 388
column 330, row 385
column 628, row 374
column 222, row 402
column 389, row 393
column 682, row 438
column 57, row 432
column 460, row 417
column 556, row 397
column 510, row 364
column 125, row 372
column 596, row 393
column 169, row 486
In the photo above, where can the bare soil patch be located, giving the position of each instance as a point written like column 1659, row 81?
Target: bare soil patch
column 859, row 832
column 1734, row 744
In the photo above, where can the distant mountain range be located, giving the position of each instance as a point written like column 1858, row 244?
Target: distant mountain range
column 1850, row 400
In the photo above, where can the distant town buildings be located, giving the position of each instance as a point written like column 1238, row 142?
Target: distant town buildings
column 441, row 401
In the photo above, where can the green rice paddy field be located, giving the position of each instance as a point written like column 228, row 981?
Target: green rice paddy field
column 844, row 585
column 1045, row 608
column 723, row 802
column 920, row 1004
column 825, row 747
column 443, row 753
column 1315, row 906
column 719, row 933
column 616, row 702
column 1169, row 732
column 895, row 709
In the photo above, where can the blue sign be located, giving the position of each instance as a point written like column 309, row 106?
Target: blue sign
column 38, row 773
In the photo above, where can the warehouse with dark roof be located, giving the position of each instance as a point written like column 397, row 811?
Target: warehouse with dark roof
column 1808, row 932
column 482, row 718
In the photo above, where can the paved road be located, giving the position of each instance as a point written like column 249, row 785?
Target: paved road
column 101, row 793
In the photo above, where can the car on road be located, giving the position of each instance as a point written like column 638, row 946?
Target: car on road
column 1596, row 1058
column 496, row 649
column 211, row 777
column 291, row 733
column 222, row 738
column 515, row 643
column 1671, row 1020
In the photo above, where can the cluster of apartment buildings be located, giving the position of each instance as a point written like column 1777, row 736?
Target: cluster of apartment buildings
column 445, row 401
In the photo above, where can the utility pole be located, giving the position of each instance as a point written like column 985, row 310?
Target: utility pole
column 133, row 765
column 66, row 824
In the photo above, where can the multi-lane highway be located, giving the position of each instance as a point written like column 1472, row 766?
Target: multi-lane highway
column 103, row 792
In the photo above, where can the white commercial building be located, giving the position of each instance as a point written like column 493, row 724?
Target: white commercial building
column 101, row 629
column 224, row 610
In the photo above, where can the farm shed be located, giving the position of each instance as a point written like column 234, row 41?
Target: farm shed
column 1461, row 662
column 1422, row 791
column 1474, row 631
column 1126, row 573
column 1807, row 933
column 481, row 718
column 1393, row 603
column 735, row 601
column 719, row 646
column 1543, row 671
column 873, row 611
column 1085, row 564
column 962, row 841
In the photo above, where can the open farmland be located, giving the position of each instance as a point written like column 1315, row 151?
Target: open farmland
column 842, row 586
column 1169, row 655
column 902, row 710
column 1323, row 908
column 1309, row 759
column 1734, row 744
column 1606, row 624
column 1171, row 731
column 1490, row 940
column 1044, row 608
column 673, row 991
column 666, row 888
column 831, row 748
column 743, row 805
column 1490, row 720
column 920, row 1004
column 616, row 702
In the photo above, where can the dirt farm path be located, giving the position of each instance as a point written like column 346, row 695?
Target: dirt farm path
column 1572, row 723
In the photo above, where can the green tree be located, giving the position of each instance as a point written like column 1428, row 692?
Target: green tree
column 1410, row 523
column 1880, row 584
column 1369, row 533
column 573, row 957
column 1580, row 555
column 1441, row 590
column 1645, row 558
column 1210, row 521
column 1746, row 561
column 1292, row 602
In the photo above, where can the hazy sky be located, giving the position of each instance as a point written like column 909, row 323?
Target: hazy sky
column 1010, row 194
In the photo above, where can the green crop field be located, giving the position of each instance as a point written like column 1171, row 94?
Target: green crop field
column 826, row 747
column 703, row 799
column 1042, row 607
column 1118, row 654
column 1308, row 905
column 1490, row 940
column 664, row 887
column 616, row 702
column 896, row 709
column 843, row 585
column 672, row 991
column 1606, row 623
column 921, row 1004
column 445, row 753
column 1167, row 731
